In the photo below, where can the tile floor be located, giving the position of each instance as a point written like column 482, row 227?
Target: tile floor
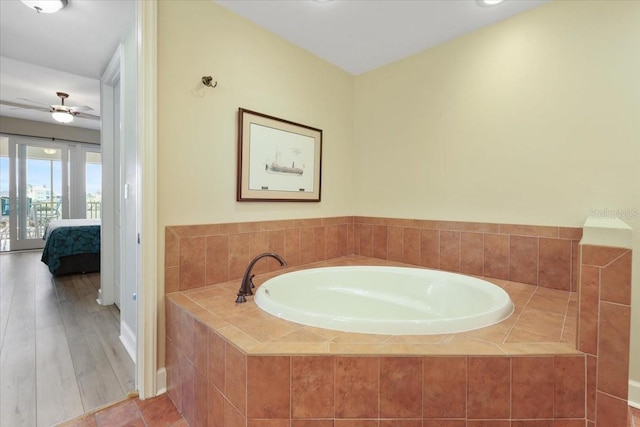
column 160, row 411
column 156, row 412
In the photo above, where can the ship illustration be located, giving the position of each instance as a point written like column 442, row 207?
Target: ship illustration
column 276, row 167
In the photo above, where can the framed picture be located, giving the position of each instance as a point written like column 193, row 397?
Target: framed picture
column 278, row 160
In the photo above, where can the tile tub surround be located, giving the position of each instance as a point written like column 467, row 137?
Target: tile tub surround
column 604, row 331
column 538, row 255
column 257, row 370
column 201, row 255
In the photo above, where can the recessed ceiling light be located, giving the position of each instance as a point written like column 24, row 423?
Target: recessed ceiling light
column 45, row 6
column 489, row 2
column 323, row 1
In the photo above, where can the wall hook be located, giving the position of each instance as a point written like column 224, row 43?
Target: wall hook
column 207, row 81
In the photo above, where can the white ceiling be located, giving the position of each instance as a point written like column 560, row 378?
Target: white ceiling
column 360, row 35
column 41, row 54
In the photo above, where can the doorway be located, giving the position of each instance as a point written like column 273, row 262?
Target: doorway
column 148, row 380
column 42, row 180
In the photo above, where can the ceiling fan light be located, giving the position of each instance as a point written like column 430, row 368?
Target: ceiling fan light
column 45, row 6
column 489, row 2
column 62, row 116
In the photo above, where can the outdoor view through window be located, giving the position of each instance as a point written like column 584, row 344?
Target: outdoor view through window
column 41, row 169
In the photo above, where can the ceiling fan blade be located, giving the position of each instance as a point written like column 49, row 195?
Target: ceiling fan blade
column 23, row 106
column 85, row 115
column 81, row 108
column 34, row 102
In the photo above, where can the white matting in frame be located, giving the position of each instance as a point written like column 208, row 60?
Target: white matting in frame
column 278, row 160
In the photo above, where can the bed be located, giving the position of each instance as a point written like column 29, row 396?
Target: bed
column 72, row 246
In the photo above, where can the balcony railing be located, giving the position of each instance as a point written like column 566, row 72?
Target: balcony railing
column 94, row 210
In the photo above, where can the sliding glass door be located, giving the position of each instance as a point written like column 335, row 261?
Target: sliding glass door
column 47, row 180
column 37, row 191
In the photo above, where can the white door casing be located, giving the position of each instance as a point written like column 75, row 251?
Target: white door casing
column 109, row 135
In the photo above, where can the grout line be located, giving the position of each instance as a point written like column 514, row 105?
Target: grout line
column 334, row 359
column 378, row 386
column 564, row 321
column 459, row 270
column 538, row 262
column 422, row 361
column 616, row 259
column 518, row 319
column 483, row 260
column 290, row 388
column 439, row 251
column 510, row 387
column 595, row 409
column 466, row 391
column 509, row 258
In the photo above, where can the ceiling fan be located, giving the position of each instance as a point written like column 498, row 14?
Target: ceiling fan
column 60, row 112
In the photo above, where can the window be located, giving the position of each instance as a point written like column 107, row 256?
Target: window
column 41, row 181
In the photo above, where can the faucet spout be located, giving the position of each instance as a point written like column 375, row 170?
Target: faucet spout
column 247, row 282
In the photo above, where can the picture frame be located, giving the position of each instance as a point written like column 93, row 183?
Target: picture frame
column 278, row 160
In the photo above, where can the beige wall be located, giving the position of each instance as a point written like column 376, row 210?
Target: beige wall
column 197, row 137
column 535, row 120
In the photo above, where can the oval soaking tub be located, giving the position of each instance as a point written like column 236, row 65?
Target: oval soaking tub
column 384, row 300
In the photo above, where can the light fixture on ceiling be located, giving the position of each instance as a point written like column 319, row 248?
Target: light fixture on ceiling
column 45, row 6
column 62, row 116
column 61, row 113
column 323, row 1
column 489, row 2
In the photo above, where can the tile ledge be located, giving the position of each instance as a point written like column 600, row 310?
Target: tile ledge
column 252, row 347
column 611, row 232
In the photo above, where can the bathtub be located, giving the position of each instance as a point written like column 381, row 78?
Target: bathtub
column 384, row 300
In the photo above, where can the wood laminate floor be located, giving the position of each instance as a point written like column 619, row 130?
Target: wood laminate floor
column 60, row 352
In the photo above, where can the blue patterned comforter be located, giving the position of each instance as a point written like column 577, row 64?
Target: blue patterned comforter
column 70, row 237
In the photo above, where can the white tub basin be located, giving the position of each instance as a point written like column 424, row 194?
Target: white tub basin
column 384, row 300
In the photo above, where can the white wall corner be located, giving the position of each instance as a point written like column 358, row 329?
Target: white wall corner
column 634, row 394
column 128, row 339
column 161, row 381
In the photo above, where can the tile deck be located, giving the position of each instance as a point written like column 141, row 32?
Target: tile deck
column 544, row 322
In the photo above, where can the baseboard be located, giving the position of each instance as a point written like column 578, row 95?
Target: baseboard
column 161, row 381
column 128, row 340
column 634, row 394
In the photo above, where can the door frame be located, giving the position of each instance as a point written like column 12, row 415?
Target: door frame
column 150, row 381
column 110, row 179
